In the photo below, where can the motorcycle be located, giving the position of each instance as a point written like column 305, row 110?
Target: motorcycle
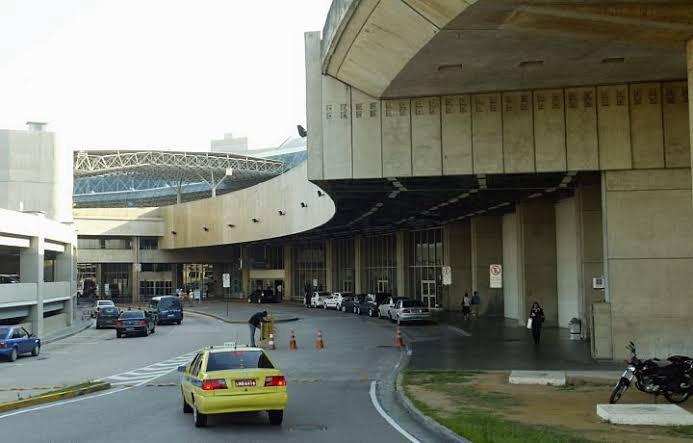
column 673, row 378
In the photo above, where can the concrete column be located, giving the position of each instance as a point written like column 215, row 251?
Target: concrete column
column 486, row 249
column 358, row 265
column 537, row 258
column 245, row 271
column 314, row 105
column 135, row 274
column 99, row 280
column 64, row 272
column 648, row 221
column 31, row 271
column 329, row 266
column 457, row 255
column 288, row 273
column 689, row 52
column 512, row 300
column 402, row 265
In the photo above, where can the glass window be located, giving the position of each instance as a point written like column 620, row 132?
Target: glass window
column 149, row 243
column 128, row 315
column 88, row 243
column 222, row 361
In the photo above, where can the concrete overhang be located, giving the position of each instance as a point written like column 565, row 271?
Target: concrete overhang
column 407, row 48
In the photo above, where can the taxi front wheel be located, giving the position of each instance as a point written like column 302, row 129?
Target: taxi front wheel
column 276, row 417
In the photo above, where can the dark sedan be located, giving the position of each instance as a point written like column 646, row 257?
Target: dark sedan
column 370, row 303
column 107, row 317
column 350, row 304
column 135, row 323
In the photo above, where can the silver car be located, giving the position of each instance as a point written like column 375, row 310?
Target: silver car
column 410, row 310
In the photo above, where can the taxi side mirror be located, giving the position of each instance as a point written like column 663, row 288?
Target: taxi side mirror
column 182, row 368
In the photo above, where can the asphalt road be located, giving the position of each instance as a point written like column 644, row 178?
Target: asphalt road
column 329, row 389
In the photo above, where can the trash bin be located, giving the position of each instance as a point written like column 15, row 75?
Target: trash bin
column 575, row 326
column 267, row 328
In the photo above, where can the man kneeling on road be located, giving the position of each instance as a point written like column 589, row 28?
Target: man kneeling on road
column 254, row 323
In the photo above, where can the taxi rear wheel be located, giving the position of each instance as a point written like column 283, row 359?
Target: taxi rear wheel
column 276, row 417
column 199, row 418
column 186, row 407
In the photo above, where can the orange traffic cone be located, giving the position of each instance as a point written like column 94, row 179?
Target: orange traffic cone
column 270, row 343
column 319, row 344
column 399, row 342
column 292, row 342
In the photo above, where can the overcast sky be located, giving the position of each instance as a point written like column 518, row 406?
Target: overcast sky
column 156, row 73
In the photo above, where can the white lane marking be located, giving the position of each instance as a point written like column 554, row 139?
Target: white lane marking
column 88, row 397
column 381, row 411
column 459, row 331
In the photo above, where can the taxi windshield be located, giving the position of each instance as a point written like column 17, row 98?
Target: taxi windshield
column 236, row 359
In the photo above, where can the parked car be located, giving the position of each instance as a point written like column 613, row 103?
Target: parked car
column 370, row 303
column 168, row 309
column 410, row 310
column 350, row 304
column 135, row 323
column 8, row 278
column 15, row 340
column 107, row 317
column 386, row 307
column 317, row 298
column 101, row 304
column 262, row 296
column 334, row 301
column 343, row 297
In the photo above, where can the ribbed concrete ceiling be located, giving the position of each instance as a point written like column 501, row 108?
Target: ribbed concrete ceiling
column 403, row 48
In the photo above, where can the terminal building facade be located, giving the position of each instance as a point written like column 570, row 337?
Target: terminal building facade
column 551, row 141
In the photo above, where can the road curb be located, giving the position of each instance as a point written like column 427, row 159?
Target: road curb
column 235, row 322
column 425, row 420
column 41, row 399
column 86, row 326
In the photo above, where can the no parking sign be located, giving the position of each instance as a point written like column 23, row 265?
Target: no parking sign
column 496, row 276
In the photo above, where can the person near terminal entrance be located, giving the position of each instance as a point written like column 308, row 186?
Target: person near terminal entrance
column 536, row 314
column 466, row 306
column 476, row 304
column 254, row 323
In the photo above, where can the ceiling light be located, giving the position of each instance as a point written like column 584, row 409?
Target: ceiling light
column 473, row 191
column 393, row 194
column 453, row 200
column 205, row 228
column 535, row 195
column 304, row 205
column 282, row 213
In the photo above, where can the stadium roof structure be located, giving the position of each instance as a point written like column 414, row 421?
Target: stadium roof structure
column 117, row 178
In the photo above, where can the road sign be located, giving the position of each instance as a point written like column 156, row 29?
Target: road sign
column 447, row 275
column 138, row 267
column 226, row 279
column 496, row 276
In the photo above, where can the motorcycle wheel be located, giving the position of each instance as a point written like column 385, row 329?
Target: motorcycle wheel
column 676, row 397
column 618, row 391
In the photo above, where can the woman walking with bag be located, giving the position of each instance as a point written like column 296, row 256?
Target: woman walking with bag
column 536, row 319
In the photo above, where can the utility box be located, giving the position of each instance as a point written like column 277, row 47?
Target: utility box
column 575, row 326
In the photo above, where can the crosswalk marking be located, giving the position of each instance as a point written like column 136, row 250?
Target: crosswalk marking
column 143, row 376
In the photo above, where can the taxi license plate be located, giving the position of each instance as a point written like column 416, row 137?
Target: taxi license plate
column 245, row 383
column 129, row 329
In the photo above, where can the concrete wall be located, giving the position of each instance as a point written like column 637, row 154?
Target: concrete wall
column 612, row 127
column 649, row 253
column 126, row 222
column 261, row 202
column 487, row 249
column 458, row 255
column 35, row 174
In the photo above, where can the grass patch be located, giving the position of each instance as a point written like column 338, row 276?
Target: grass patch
column 681, row 431
column 477, row 415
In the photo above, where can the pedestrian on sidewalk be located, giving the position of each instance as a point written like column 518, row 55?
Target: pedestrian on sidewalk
column 466, row 306
column 536, row 315
column 476, row 303
column 254, row 323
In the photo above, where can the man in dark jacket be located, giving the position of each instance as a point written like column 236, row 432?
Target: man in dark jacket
column 254, row 323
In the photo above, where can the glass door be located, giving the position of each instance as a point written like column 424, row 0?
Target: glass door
column 428, row 293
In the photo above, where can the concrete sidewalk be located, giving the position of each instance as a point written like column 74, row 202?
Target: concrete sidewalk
column 499, row 344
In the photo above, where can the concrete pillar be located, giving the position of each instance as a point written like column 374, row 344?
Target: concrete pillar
column 401, row 259
column 135, row 273
column 648, row 224
column 689, row 52
column 245, row 271
column 458, row 255
column 358, row 265
column 486, row 249
column 330, row 266
column 568, row 260
column 31, row 271
column 64, row 272
column 537, row 258
column 512, row 300
column 288, row 273
column 99, row 280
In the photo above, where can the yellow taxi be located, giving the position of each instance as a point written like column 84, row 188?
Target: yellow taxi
column 230, row 378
